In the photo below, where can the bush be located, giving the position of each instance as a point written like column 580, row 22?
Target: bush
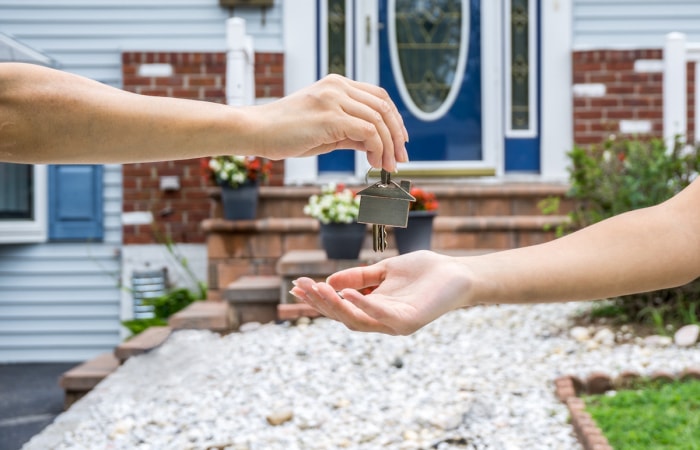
column 621, row 175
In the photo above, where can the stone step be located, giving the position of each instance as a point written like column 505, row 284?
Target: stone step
column 143, row 342
column 254, row 298
column 204, row 315
column 82, row 378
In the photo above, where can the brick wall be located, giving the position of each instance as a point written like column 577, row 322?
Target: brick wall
column 199, row 76
column 620, row 92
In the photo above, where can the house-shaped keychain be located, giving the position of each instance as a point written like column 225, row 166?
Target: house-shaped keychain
column 385, row 202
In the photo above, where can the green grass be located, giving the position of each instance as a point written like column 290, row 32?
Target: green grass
column 656, row 416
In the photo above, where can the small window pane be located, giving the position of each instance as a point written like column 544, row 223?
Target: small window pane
column 16, row 191
column 520, row 65
column 336, row 37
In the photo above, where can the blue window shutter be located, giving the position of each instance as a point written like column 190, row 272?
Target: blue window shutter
column 75, row 202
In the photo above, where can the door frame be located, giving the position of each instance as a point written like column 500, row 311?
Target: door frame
column 556, row 133
column 491, row 126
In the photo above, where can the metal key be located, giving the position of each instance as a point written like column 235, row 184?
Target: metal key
column 383, row 204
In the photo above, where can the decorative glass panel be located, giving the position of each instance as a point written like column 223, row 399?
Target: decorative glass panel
column 520, row 65
column 16, row 191
column 428, row 38
column 336, row 37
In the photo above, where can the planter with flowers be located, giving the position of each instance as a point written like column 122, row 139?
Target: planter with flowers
column 419, row 232
column 337, row 208
column 239, row 177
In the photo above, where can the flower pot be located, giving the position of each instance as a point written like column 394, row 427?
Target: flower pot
column 342, row 240
column 418, row 234
column 240, row 203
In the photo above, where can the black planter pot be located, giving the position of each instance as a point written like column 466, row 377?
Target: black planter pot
column 343, row 240
column 240, row 203
column 418, row 234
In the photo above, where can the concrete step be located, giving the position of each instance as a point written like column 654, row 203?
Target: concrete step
column 254, row 298
column 81, row 379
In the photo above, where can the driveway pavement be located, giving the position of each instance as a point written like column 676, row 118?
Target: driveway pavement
column 30, row 399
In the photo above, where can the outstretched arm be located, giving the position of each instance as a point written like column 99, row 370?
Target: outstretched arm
column 49, row 116
column 642, row 250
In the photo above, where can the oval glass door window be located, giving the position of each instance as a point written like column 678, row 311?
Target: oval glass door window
column 428, row 42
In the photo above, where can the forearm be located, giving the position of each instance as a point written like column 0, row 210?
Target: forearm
column 639, row 251
column 51, row 116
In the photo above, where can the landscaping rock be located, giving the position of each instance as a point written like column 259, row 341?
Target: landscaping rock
column 687, row 335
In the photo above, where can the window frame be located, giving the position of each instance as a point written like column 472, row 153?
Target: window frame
column 32, row 230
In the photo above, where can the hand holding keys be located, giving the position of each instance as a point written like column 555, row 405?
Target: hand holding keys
column 383, row 204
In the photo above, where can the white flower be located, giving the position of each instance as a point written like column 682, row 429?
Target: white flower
column 333, row 206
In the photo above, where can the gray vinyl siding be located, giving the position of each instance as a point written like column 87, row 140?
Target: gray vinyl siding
column 60, row 301
column 633, row 23
column 87, row 36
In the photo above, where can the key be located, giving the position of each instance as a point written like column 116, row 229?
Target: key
column 378, row 237
column 383, row 204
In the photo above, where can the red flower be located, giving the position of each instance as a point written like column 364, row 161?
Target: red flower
column 425, row 201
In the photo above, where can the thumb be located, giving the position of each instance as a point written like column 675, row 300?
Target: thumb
column 357, row 277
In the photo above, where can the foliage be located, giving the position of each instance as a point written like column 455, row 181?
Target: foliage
column 163, row 307
column 136, row 326
column 425, row 201
column 335, row 204
column 622, row 175
column 235, row 170
column 656, row 416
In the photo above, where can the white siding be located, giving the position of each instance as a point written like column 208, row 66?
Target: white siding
column 88, row 36
column 633, row 23
column 60, row 301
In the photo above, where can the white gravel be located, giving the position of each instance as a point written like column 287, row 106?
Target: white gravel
column 475, row 379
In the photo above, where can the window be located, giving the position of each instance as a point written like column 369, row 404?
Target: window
column 22, row 203
column 521, row 63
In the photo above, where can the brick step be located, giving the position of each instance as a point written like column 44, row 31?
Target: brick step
column 143, row 342
column 294, row 311
column 82, row 378
column 248, row 248
column 456, row 198
column 254, row 298
column 204, row 315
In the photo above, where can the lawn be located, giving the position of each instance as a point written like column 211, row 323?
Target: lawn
column 655, row 416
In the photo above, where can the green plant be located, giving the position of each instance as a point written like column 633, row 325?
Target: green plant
column 620, row 175
column 136, row 326
column 335, row 204
column 653, row 416
column 163, row 307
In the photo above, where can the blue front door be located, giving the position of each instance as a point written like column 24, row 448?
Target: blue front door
column 429, row 63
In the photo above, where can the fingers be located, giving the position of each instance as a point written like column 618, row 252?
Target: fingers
column 325, row 299
column 385, row 143
column 394, row 149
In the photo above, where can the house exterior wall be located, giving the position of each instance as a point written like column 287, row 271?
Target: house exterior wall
column 641, row 24
column 177, row 214
column 61, row 301
column 618, row 64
